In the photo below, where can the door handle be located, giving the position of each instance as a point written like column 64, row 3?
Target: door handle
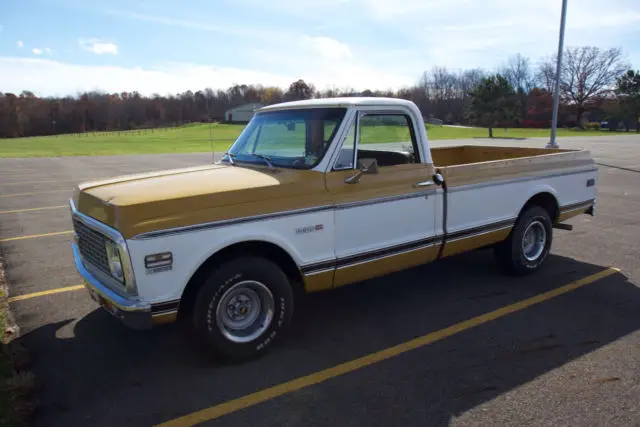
column 423, row 183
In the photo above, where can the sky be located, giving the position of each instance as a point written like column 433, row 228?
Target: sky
column 63, row 47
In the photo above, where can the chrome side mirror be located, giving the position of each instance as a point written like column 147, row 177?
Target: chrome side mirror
column 438, row 179
column 368, row 166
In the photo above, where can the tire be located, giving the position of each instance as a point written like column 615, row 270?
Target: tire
column 519, row 257
column 228, row 301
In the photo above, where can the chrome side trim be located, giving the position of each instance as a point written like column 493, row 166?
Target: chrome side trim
column 379, row 257
column 482, row 233
column 576, row 206
column 117, row 238
column 480, row 229
column 314, row 272
column 233, row 221
column 515, row 180
column 385, row 199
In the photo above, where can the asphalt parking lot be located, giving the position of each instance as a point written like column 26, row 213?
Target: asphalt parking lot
column 570, row 359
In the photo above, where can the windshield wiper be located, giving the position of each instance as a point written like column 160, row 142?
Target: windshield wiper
column 266, row 159
column 231, row 156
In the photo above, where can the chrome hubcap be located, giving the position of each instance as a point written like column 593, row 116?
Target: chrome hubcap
column 534, row 241
column 245, row 311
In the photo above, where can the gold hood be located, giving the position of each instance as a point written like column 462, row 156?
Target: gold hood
column 140, row 203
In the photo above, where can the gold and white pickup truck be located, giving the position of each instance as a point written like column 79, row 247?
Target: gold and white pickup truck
column 313, row 195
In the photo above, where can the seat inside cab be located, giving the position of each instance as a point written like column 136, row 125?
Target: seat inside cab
column 383, row 157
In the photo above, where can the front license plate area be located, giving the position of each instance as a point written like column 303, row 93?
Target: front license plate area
column 102, row 301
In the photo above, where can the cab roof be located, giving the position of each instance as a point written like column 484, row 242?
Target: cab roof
column 346, row 101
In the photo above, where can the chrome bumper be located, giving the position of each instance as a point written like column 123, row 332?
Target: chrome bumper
column 131, row 312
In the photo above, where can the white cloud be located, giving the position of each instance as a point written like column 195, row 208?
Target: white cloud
column 47, row 77
column 19, row 43
column 38, row 51
column 98, row 47
column 327, row 47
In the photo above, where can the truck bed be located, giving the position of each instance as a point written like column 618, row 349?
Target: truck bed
column 466, row 154
column 466, row 164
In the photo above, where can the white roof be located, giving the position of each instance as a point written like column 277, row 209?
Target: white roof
column 246, row 107
column 339, row 102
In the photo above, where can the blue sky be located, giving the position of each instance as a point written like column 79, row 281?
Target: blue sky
column 60, row 47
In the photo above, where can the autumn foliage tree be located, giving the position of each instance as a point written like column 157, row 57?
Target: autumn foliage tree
column 299, row 90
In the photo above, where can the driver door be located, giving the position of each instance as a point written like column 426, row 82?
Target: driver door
column 384, row 221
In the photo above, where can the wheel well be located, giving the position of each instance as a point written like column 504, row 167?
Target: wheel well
column 546, row 201
column 257, row 248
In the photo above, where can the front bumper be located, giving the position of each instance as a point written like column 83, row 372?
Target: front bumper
column 133, row 313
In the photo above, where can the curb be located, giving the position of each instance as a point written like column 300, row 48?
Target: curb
column 19, row 383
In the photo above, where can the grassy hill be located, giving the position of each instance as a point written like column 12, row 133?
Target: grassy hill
column 195, row 138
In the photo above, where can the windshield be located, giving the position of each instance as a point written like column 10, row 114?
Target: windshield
column 290, row 138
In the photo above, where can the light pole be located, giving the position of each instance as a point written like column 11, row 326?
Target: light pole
column 556, row 90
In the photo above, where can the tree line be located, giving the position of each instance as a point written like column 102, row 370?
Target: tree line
column 596, row 85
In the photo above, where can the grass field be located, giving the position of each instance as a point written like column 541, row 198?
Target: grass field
column 195, row 138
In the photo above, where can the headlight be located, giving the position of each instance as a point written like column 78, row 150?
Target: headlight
column 115, row 263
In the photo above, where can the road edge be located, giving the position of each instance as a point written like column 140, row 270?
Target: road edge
column 16, row 382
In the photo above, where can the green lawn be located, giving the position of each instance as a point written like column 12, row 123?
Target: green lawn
column 195, row 138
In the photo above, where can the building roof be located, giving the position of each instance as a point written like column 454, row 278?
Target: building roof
column 246, row 107
column 346, row 101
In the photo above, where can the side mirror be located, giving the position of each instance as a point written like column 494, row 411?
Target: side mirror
column 368, row 166
column 439, row 179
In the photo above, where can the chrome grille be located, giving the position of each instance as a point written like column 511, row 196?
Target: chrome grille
column 91, row 246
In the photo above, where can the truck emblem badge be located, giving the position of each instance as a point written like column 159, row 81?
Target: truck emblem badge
column 309, row 229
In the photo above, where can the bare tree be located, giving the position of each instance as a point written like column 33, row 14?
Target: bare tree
column 588, row 73
column 546, row 75
column 468, row 81
column 518, row 73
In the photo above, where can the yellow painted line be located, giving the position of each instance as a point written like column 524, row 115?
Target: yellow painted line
column 35, row 236
column 44, row 208
column 226, row 408
column 45, row 293
column 31, row 182
column 34, row 193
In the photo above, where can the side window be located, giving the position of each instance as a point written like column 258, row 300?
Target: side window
column 387, row 132
column 345, row 158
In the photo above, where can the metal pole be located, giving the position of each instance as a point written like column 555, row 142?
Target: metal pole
column 556, row 91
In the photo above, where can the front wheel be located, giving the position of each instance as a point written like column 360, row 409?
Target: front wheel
column 528, row 244
column 242, row 308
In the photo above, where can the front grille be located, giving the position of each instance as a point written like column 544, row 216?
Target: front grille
column 91, row 246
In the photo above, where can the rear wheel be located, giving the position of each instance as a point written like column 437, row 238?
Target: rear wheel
column 242, row 308
column 528, row 244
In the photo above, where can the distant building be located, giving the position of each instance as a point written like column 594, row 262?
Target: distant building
column 241, row 113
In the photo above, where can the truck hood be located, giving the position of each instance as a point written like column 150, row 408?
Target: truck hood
column 141, row 203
